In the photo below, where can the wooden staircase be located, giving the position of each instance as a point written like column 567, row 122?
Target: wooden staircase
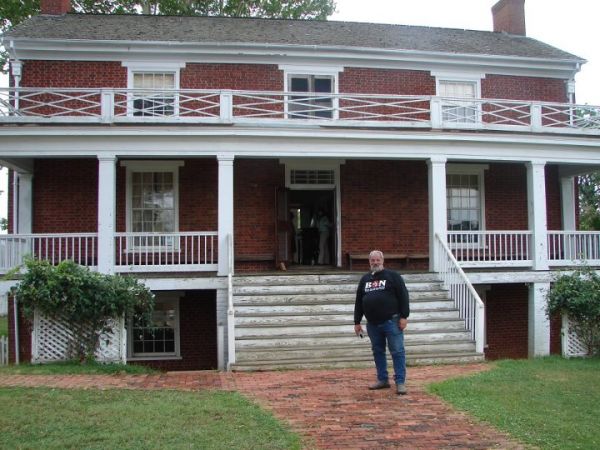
column 306, row 321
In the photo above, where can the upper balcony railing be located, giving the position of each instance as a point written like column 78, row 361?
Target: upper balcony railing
column 88, row 105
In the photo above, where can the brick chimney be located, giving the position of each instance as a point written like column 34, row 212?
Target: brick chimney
column 55, row 7
column 509, row 16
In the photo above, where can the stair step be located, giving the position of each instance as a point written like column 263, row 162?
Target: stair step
column 341, row 278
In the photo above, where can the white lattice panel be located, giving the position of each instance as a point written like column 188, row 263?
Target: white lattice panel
column 572, row 345
column 52, row 340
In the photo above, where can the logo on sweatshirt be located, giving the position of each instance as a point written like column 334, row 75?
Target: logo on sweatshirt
column 377, row 285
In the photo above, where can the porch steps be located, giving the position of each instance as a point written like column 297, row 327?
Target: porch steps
column 306, row 321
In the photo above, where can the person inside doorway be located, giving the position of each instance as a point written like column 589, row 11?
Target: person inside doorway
column 324, row 226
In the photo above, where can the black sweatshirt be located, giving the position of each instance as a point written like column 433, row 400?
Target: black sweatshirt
column 379, row 296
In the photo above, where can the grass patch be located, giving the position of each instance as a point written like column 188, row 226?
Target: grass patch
column 552, row 403
column 3, row 326
column 74, row 368
column 92, row 419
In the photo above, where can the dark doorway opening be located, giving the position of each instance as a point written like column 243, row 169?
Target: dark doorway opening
column 312, row 214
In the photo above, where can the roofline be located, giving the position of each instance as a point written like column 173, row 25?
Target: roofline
column 33, row 48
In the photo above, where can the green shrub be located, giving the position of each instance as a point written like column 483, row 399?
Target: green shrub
column 87, row 302
column 578, row 296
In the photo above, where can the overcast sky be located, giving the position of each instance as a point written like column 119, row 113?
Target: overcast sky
column 569, row 25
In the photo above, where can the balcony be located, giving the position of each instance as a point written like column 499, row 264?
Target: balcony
column 263, row 108
column 197, row 251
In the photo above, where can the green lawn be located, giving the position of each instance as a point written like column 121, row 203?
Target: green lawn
column 3, row 326
column 123, row 419
column 551, row 403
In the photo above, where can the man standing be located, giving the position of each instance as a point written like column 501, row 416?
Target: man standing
column 383, row 299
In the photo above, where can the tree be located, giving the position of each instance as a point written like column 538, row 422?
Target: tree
column 589, row 201
column 86, row 302
column 578, row 296
column 13, row 12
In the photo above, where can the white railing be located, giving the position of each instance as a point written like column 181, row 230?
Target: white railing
column 3, row 350
column 466, row 299
column 58, row 105
column 81, row 248
column 491, row 248
column 569, row 248
column 164, row 252
column 230, row 307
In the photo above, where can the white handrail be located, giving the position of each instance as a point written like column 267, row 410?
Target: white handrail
column 466, row 299
column 230, row 308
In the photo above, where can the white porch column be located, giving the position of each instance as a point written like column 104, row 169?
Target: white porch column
column 536, row 206
column 436, row 170
column 225, row 221
column 107, row 193
column 567, row 201
column 539, row 324
column 25, row 208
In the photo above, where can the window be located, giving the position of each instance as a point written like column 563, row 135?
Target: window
column 154, row 88
column 158, row 337
column 455, row 110
column 152, row 201
column 154, row 94
column 318, row 106
column 465, row 200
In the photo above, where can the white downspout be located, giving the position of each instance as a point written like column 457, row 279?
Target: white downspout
column 15, row 216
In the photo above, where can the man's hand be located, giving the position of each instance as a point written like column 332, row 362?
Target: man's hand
column 358, row 329
column 402, row 323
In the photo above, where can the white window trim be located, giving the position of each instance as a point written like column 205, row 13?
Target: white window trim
column 306, row 70
column 472, row 169
column 461, row 77
column 172, row 296
column 150, row 166
column 152, row 67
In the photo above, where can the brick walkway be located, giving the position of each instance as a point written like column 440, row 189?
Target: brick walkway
column 331, row 408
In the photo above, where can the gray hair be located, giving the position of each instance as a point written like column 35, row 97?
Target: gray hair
column 376, row 253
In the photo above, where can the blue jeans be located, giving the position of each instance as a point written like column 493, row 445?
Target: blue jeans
column 390, row 332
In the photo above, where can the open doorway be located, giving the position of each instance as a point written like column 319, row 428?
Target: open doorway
column 312, row 214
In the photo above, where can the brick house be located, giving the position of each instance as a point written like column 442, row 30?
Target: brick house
column 196, row 154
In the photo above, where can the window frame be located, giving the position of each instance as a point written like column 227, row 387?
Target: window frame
column 292, row 71
column 479, row 171
column 152, row 167
column 137, row 67
column 473, row 79
column 174, row 297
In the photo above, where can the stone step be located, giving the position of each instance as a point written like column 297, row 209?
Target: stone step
column 278, row 289
column 332, row 317
column 311, row 311
column 358, row 350
column 341, row 278
column 444, row 358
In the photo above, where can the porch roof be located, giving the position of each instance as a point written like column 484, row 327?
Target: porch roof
column 88, row 27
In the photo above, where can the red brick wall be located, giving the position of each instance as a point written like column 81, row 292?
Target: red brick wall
column 506, row 197
column 24, row 335
column 74, row 74
column 232, row 76
column 386, row 81
column 553, row 205
column 198, row 334
column 9, row 205
column 524, row 88
column 507, row 313
column 384, row 206
column 255, row 185
column 65, row 195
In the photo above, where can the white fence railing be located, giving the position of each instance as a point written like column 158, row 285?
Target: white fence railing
column 189, row 251
column 493, row 248
column 134, row 252
column 31, row 105
column 574, row 247
column 466, row 299
column 80, row 248
column 3, row 350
